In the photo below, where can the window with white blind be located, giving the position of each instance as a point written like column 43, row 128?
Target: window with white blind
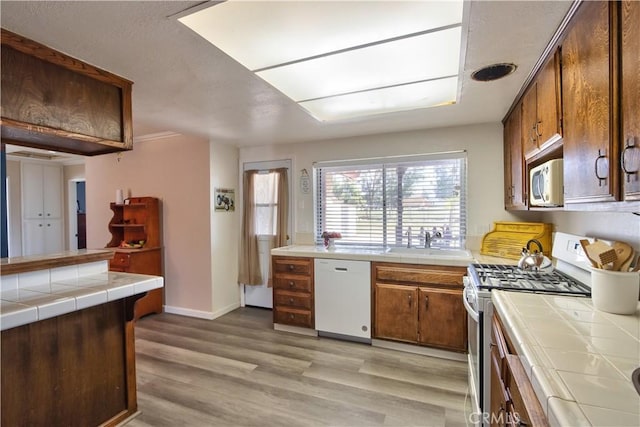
column 374, row 202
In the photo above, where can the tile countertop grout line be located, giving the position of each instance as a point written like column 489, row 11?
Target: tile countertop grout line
column 567, row 410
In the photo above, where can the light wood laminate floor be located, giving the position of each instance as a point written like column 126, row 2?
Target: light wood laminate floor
column 236, row 370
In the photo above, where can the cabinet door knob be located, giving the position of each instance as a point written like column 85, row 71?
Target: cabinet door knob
column 291, row 283
column 291, row 267
column 48, row 214
column 409, row 300
column 48, row 225
column 39, row 214
column 39, row 225
column 426, row 302
column 290, row 300
column 291, row 316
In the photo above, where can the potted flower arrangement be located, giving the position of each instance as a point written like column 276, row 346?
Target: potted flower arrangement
column 329, row 239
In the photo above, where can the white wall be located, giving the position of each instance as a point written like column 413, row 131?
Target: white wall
column 176, row 170
column 483, row 144
column 15, row 208
column 622, row 226
column 225, row 230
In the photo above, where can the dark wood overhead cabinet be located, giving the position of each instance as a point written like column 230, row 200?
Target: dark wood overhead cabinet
column 630, row 89
column 53, row 101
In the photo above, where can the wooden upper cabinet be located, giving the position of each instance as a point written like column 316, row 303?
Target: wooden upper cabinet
column 541, row 120
column 514, row 185
column 590, row 152
column 630, row 92
column 53, row 101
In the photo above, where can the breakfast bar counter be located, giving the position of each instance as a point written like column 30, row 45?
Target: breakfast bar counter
column 579, row 360
column 67, row 351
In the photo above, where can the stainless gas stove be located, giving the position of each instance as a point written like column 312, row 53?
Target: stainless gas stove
column 571, row 276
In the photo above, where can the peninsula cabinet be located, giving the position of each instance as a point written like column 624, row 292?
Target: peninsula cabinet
column 293, row 291
column 515, row 195
column 132, row 223
column 56, row 102
column 513, row 400
column 590, row 148
column 630, row 92
column 419, row 304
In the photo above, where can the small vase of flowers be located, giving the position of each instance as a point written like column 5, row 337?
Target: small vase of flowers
column 329, row 239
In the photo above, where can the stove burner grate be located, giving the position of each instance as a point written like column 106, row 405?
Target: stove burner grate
column 499, row 276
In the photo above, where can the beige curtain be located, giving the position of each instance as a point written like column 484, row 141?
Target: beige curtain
column 249, row 267
column 282, row 220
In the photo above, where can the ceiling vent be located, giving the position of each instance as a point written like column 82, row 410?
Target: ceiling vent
column 493, row 72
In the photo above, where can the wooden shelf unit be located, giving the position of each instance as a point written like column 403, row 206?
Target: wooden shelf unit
column 138, row 220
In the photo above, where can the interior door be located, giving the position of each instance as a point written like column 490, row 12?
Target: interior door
column 262, row 296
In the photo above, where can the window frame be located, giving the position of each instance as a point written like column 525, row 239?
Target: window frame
column 384, row 163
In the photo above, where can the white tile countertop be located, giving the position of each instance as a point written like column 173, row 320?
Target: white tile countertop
column 579, row 359
column 36, row 295
column 460, row 258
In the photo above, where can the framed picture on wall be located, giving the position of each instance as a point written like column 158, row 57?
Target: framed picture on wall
column 225, row 199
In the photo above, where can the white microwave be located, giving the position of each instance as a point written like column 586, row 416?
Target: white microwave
column 546, row 184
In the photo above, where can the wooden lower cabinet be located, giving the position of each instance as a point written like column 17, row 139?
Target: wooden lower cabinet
column 396, row 315
column 424, row 306
column 442, row 319
column 293, row 291
column 513, row 400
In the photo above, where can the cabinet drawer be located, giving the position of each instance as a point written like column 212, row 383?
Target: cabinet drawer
column 292, row 299
column 292, row 283
column 293, row 317
column 120, row 260
column 301, row 266
column 419, row 275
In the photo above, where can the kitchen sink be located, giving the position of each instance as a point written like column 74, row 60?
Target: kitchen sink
column 430, row 252
column 635, row 379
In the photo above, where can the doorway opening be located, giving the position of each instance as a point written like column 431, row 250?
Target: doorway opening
column 262, row 295
column 77, row 214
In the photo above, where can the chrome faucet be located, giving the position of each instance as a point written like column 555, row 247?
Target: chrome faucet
column 408, row 233
column 424, row 238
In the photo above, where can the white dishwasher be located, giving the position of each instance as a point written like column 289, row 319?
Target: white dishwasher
column 342, row 298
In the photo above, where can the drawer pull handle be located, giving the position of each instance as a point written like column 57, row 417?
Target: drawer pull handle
column 602, row 157
column 409, row 300
column 426, row 302
column 630, row 145
column 291, row 284
column 290, row 300
column 291, row 267
column 291, row 316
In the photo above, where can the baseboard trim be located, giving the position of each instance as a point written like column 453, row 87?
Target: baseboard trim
column 295, row 329
column 189, row 312
column 417, row 349
column 209, row 315
column 224, row 310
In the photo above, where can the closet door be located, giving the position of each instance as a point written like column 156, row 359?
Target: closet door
column 52, row 194
column 32, row 190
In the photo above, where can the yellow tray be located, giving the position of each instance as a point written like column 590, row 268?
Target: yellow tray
column 507, row 239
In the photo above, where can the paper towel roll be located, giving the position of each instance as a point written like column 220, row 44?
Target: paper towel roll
column 119, row 197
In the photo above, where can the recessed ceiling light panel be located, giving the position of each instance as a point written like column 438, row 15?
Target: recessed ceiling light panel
column 355, row 53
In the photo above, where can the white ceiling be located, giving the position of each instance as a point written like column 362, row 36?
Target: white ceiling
column 184, row 84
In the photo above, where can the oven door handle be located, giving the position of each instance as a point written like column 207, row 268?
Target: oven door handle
column 474, row 314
